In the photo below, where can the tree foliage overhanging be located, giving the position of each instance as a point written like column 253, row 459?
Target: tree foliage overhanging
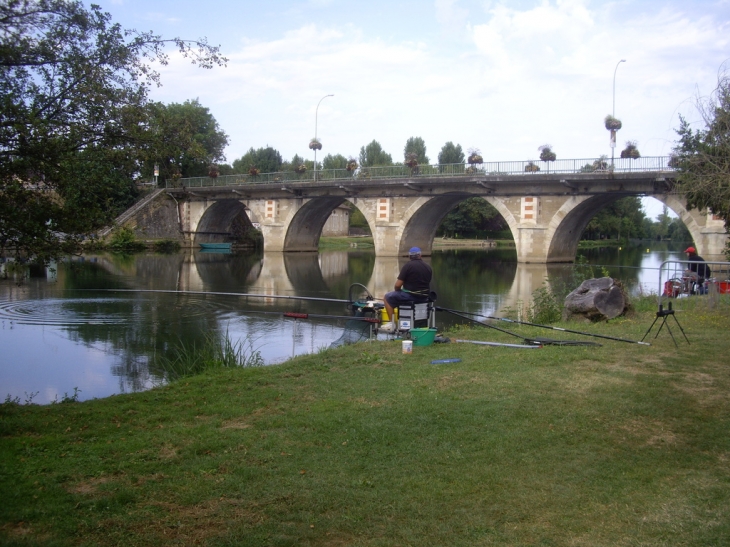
column 74, row 119
column 703, row 156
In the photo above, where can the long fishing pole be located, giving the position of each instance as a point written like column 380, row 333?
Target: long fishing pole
column 539, row 342
column 291, row 315
column 548, row 327
column 498, row 344
column 247, row 295
column 459, row 314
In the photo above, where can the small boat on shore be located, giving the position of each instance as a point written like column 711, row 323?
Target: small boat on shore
column 216, row 247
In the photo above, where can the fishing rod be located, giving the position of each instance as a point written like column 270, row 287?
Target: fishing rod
column 291, row 315
column 246, row 295
column 547, row 327
column 520, row 346
column 459, row 314
column 536, row 342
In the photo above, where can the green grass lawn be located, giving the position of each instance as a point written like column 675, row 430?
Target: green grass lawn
column 618, row 445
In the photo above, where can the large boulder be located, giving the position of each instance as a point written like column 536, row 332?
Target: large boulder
column 596, row 300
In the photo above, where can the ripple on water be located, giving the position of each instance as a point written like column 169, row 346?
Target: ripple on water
column 94, row 311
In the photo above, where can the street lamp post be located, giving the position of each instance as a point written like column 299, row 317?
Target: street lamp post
column 315, row 132
column 613, row 111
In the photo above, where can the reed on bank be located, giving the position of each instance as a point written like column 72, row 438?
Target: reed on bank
column 618, row 444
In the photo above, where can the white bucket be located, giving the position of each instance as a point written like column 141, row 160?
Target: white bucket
column 407, row 346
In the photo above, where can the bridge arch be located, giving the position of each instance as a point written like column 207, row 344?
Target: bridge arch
column 305, row 223
column 423, row 219
column 700, row 225
column 568, row 224
column 217, row 223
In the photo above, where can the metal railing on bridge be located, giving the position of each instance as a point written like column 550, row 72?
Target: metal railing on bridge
column 495, row 168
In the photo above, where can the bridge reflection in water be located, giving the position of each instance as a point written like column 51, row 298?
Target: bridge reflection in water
column 109, row 342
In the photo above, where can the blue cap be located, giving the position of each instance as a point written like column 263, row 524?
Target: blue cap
column 415, row 251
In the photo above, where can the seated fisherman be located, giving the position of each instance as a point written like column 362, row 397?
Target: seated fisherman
column 413, row 285
column 697, row 270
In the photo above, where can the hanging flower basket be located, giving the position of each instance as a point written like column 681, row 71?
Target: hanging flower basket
column 474, row 159
column 546, row 153
column 612, row 124
column 213, row 171
column 299, row 169
column 631, row 151
column 411, row 160
column 314, row 144
column 253, row 171
column 531, row 168
column 351, row 165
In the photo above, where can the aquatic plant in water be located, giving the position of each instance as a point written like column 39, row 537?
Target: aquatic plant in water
column 214, row 352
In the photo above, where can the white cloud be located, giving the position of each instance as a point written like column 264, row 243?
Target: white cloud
column 507, row 81
column 449, row 15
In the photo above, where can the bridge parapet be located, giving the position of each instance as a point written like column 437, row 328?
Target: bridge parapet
column 496, row 168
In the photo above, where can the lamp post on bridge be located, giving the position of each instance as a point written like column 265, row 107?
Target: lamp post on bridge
column 613, row 111
column 315, row 143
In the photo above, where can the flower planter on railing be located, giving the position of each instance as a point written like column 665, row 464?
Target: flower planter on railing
column 631, row 151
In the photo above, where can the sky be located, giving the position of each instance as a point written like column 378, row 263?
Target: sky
column 502, row 77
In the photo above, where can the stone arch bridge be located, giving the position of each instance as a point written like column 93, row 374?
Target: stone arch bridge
column 546, row 212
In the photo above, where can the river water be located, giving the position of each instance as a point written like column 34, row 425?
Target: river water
column 96, row 326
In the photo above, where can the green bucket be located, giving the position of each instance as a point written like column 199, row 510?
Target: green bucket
column 423, row 337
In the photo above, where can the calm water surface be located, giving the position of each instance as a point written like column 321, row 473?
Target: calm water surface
column 96, row 325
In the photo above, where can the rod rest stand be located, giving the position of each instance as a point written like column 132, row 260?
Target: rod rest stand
column 664, row 314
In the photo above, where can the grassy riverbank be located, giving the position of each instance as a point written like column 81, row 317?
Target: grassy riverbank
column 615, row 445
column 337, row 243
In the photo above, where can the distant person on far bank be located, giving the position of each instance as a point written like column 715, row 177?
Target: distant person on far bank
column 413, row 285
column 697, row 269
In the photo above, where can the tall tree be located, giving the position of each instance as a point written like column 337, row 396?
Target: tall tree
column 703, row 156
column 338, row 161
column 73, row 114
column 372, row 155
column 186, row 140
column 451, row 153
column 416, row 149
column 267, row 160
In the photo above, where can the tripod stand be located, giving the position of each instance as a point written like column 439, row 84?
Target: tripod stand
column 664, row 314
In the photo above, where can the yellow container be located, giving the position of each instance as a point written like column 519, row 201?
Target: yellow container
column 384, row 315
